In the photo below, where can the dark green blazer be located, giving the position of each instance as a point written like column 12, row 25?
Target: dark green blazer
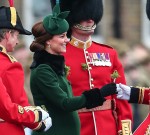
column 51, row 90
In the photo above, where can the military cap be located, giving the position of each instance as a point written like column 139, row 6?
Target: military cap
column 9, row 19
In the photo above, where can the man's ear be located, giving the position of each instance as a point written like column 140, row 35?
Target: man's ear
column 7, row 35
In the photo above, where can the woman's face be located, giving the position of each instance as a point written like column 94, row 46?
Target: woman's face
column 57, row 45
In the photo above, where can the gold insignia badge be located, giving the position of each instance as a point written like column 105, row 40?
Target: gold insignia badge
column 20, row 109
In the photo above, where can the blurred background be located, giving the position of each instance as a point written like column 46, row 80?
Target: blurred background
column 124, row 26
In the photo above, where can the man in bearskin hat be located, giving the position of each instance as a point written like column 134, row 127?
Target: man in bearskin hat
column 16, row 112
column 91, row 65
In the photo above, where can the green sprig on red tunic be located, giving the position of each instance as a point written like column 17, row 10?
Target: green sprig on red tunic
column 84, row 66
column 115, row 75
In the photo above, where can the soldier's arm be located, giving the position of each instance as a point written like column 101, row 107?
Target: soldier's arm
column 27, row 116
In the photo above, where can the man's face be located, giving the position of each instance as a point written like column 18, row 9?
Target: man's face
column 88, row 24
column 12, row 40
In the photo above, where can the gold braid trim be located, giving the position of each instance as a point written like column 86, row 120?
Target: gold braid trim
column 141, row 94
column 34, row 109
column 84, row 28
column 80, row 44
column 3, row 50
column 13, row 16
column 148, row 130
column 36, row 113
column 126, row 127
column 38, row 127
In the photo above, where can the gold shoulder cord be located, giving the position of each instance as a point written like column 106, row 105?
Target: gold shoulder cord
column 11, row 58
column 126, row 127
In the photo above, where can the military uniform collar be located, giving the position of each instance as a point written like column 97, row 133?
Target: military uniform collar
column 2, row 49
column 80, row 44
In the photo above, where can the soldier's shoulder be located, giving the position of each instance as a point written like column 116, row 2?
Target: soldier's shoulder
column 104, row 45
column 7, row 57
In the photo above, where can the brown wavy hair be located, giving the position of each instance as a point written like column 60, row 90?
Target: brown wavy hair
column 40, row 37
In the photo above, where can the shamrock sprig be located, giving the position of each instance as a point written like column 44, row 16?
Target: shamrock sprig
column 67, row 70
column 84, row 66
column 115, row 75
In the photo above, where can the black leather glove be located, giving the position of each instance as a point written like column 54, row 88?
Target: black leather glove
column 94, row 98
column 108, row 89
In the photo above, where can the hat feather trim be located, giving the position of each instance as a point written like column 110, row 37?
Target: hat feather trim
column 11, row 3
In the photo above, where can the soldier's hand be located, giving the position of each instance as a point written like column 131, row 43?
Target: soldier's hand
column 39, row 113
column 44, row 125
column 108, row 89
column 48, row 123
column 124, row 91
column 43, row 112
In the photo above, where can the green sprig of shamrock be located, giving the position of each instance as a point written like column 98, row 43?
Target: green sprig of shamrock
column 84, row 66
column 115, row 75
column 67, row 70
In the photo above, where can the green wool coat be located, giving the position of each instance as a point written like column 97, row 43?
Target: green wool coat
column 53, row 91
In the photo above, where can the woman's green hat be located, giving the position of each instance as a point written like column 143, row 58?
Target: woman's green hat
column 56, row 24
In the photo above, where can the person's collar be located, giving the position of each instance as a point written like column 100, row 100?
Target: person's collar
column 80, row 44
column 2, row 49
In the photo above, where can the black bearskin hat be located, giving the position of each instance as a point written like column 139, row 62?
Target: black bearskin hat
column 148, row 9
column 81, row 10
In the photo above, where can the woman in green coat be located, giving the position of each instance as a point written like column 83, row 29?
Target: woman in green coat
column 50, row 88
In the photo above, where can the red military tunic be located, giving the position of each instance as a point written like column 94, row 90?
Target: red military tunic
column 141, row 95
column 13, row 97
column 92, row 68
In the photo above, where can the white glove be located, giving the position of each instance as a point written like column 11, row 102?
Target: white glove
column 27, row 131
column 124, row 91
column 48, row 123
column 44, row 113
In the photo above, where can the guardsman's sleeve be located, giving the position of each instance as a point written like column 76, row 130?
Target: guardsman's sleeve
column 13, row 78
column 123, row 108
column 144, row 127
column 15, row 113
column 139, row 95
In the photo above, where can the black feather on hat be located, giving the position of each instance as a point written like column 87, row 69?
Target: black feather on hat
column 148, row 9
column 10, row 19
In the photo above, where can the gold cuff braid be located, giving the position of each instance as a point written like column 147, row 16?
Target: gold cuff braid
column 141, row 94
column 38, row 127
column 126, row 127
column 34, row 109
